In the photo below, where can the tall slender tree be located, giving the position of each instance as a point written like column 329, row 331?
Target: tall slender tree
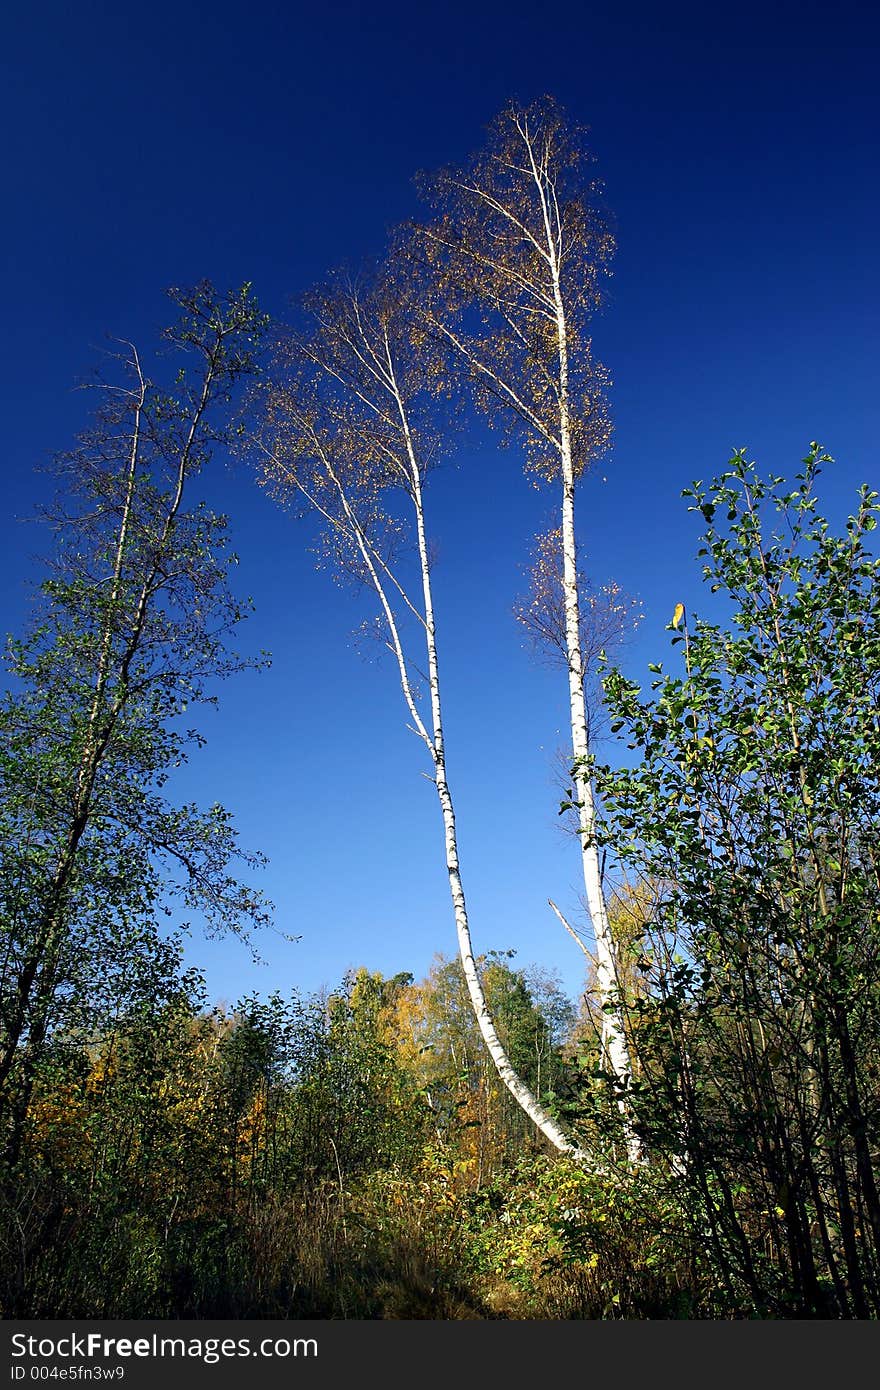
column 131, row 628
column 513, row 265
column 348, row 430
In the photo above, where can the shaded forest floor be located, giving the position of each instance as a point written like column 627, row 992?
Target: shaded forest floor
column 395, row 1246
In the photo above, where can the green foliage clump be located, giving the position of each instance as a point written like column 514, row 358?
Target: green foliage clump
column 752, row 808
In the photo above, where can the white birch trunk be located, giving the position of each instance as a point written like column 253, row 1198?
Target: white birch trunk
column 613, row 1036
column 614, row 1040
column 517, row 1088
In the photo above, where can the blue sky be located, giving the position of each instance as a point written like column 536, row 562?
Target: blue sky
column 270, row 142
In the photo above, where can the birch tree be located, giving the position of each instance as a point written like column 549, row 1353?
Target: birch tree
column 513, row 266
column 347, row 430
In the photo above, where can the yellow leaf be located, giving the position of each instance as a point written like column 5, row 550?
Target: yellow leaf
column 678, row 614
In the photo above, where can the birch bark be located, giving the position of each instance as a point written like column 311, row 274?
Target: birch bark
column 613, row 1035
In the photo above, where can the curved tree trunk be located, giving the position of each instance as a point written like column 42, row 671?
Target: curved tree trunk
column 515, row 1085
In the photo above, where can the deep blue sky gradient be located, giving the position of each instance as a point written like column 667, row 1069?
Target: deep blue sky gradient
column 151, row 146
